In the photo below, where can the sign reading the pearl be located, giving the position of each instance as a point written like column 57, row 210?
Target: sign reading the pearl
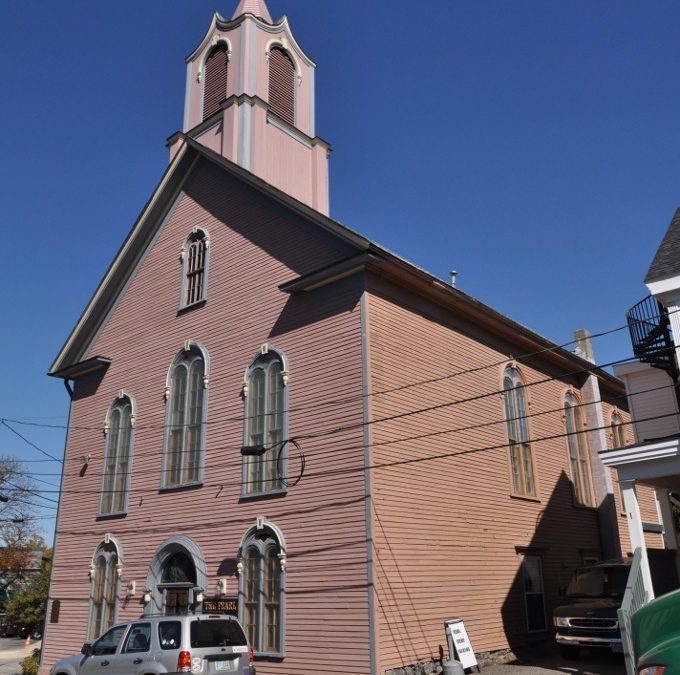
column 221, row 605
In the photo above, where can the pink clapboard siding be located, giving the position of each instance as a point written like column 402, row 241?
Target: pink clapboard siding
column 447, row 532
column 255, row 245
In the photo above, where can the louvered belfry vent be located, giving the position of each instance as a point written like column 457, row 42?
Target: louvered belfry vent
column 215, row 87
column 282, row 85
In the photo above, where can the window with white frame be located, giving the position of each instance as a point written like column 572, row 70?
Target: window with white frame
column 119, row 433
column 262, row 592
column 521, row 460
column 195, row 268
column 265, row 427
column 534, row 602
column 618, row 435
column 104, row 593
column 579, row 452
column 185, row 426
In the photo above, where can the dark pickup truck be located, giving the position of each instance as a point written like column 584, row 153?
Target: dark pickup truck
column 588, row 615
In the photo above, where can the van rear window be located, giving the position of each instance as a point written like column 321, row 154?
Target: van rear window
column 216, row 633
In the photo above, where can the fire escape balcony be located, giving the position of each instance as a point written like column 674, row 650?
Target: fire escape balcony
column 650, row 334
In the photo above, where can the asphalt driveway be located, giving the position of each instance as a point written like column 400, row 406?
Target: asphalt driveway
column 547, row 662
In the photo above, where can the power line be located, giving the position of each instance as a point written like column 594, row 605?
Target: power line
column 350, row 399
column 4, row 423
column 316, row 435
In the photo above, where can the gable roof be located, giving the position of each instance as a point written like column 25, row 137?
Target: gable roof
column 666, row 263
column 367, row 256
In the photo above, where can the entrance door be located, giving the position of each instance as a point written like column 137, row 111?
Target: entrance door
column 176, row 601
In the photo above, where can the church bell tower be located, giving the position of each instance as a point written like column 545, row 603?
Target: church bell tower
column 250, row 98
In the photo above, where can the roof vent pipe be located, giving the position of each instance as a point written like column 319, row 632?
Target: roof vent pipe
column 454, row 276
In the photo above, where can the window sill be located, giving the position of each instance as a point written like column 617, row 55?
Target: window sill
column 194, row 305
column 525, row 498
column 111, row 516
column 178, row 488
column 268, row 656
column 263, row 495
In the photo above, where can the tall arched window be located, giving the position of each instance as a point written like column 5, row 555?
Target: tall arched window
column 119, row 424
column 282, row 85
column 104, row 594
column 194, row 268
column 215, row 82
column 579, row 452
column 521, row 460
column 186, row 409
column 265, row 464
column 262, row 592
column 618, row 435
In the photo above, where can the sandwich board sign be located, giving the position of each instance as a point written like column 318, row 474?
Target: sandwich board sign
column 460, row 647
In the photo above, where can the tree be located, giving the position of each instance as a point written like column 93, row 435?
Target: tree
column 26, row 608
column 19, row 539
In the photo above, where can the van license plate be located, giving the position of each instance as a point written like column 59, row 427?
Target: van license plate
column 225, row 665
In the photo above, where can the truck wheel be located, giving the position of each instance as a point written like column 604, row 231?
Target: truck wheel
column 569, row 652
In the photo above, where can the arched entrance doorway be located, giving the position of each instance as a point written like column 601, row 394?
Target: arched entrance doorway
column 176, row 577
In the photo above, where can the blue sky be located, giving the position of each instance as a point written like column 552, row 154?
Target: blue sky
column 531, row 145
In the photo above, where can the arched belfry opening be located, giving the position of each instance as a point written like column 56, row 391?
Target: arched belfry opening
column 215, row 79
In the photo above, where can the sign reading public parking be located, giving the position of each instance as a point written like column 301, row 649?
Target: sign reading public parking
column 460, row 647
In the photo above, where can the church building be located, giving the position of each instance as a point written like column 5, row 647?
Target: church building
column 274, row 416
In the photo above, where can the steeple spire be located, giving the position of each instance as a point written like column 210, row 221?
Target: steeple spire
column 257, row 8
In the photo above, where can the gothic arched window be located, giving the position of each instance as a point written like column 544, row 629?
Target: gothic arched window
column 119, row 428
column 282, row 85
column 521, row 460
column 261, row 592
column 265, row 427
column 104, row 593
column 215, row 82
column 618, row 433
column 194, row 268
column 185, row 415
column 579, row 451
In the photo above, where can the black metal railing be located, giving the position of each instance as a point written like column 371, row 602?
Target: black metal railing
column 648, row 324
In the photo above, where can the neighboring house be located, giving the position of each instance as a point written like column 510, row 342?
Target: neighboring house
column 25, row 566
column 653, row 460
column 270, row 409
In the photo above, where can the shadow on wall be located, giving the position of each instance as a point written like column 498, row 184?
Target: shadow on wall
column 566, row 536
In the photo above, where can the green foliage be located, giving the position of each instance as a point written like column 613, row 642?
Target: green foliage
column 30, row 665
column 27, row 606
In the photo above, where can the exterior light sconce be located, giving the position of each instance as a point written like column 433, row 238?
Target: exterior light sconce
column 146, row 598
column 119, row 570
column 90, row 572
column 221, row 588
column 198, row 596
column 133, row 419
column 106, row 427
column 240, row 566
column 206, row 381
column 166, row 393
column 131, row 589
column 283, row 560
column 244, row 390
column 285, row 376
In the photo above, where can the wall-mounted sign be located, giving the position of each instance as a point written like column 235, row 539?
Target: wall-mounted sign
column 460, row 647
column 221, row 606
